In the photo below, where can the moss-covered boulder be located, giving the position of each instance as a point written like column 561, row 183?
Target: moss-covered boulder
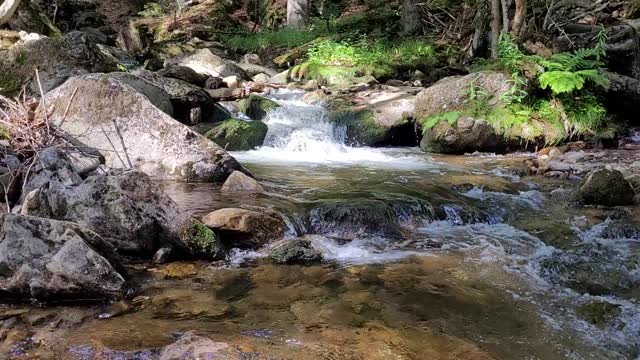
column 238, row 135
column 604, row 187
column 257, row 107
column 298, row 251
column 466, row 135
column 373, row 117
column 202, row 241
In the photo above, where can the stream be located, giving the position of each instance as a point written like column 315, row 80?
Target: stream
column 426, row 257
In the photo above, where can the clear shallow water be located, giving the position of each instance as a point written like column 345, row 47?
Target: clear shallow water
column 476, row 271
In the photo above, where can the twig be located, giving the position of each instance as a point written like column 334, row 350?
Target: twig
column 66, row 110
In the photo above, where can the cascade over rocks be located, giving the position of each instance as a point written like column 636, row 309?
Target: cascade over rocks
column 451, row 94
column 246, row 228
column 45, row 259
column 109, row 113
column 129, row 211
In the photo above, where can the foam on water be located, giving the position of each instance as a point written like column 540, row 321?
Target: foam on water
column 303, row 133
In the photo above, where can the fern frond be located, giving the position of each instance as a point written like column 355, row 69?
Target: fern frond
column 561, row 81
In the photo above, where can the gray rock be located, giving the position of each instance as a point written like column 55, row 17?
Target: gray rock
column 253, row 69
column 239, row 182
column 111, row 115
column 261, row 78
column 466, row 135
column 604, row 187
column 45, row 259
column 232, row 69
column 54, row 165
column 299, row 251
column 203, row 62
column 129, row 211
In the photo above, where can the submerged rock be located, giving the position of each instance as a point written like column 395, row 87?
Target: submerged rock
column 45, row 259
column 109, row 113
column 245, row 228
column 190, row 346
column 238, row 135
column 299, row 251
column 130, row 211
column 598, row 312
column 239, row 182
column 604, row 187
column 354, row 218
column 256, row 107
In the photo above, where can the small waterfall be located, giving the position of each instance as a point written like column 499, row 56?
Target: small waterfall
column 300, row 132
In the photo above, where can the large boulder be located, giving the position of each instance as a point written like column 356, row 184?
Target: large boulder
column 238, row 135
column 129, row 211
column 256, row 107
column 246, row 228
column 109, row 114
column 604, row 187
column 57, row 59
column 452, row 94
column 202, row 61
column 45, row 259
column 186, row 99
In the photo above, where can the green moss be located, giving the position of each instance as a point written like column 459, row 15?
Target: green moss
column 361, row 127
column 10, row 84
column 598, row 312
column 238, row 135
column 4, row 133
column 256, row 107
column 203, row 241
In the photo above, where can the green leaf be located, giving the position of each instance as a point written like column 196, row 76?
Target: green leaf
column 561, row 81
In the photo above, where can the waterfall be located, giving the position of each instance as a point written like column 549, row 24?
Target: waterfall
column 304, row 133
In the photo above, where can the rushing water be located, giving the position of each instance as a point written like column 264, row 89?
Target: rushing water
column 469, row 260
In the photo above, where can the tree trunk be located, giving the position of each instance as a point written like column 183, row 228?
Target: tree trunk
column 519, row 17
column 410, row 16
column 496, row 15
column 7, row 9
column 297, row 11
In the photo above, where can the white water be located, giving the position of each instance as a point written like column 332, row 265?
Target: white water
column 303, row 133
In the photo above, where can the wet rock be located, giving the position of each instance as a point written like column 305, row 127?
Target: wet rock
column 604, row 187
column 354, row 218
column 45, row 259
column 56, row 58
column 162, row 255
column 257, row 107
column 299, row 251
column 185, row 74
column 190, row 345
column 183, row 305
column 245, row 228
column 621, row 225
column 598, row 312
column 239, row 182
column 108, row 113
column 178, row 270
column 238, row 135
column 466, row 135
column 130, row 211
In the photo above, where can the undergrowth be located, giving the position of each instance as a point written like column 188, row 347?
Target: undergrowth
column 284, row 38
column 551, row 99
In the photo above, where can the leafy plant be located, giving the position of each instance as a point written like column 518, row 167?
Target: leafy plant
column 451, row 117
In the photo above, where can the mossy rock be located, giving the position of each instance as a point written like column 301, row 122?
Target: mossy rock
column 354, row 218
column 604, row 187
column 202, row 241
column 362, row 129
column 598, row 313
column 256, row 107
column 238, row 135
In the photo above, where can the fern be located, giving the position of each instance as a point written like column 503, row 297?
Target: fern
column 561, row 82
column 451, row 117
